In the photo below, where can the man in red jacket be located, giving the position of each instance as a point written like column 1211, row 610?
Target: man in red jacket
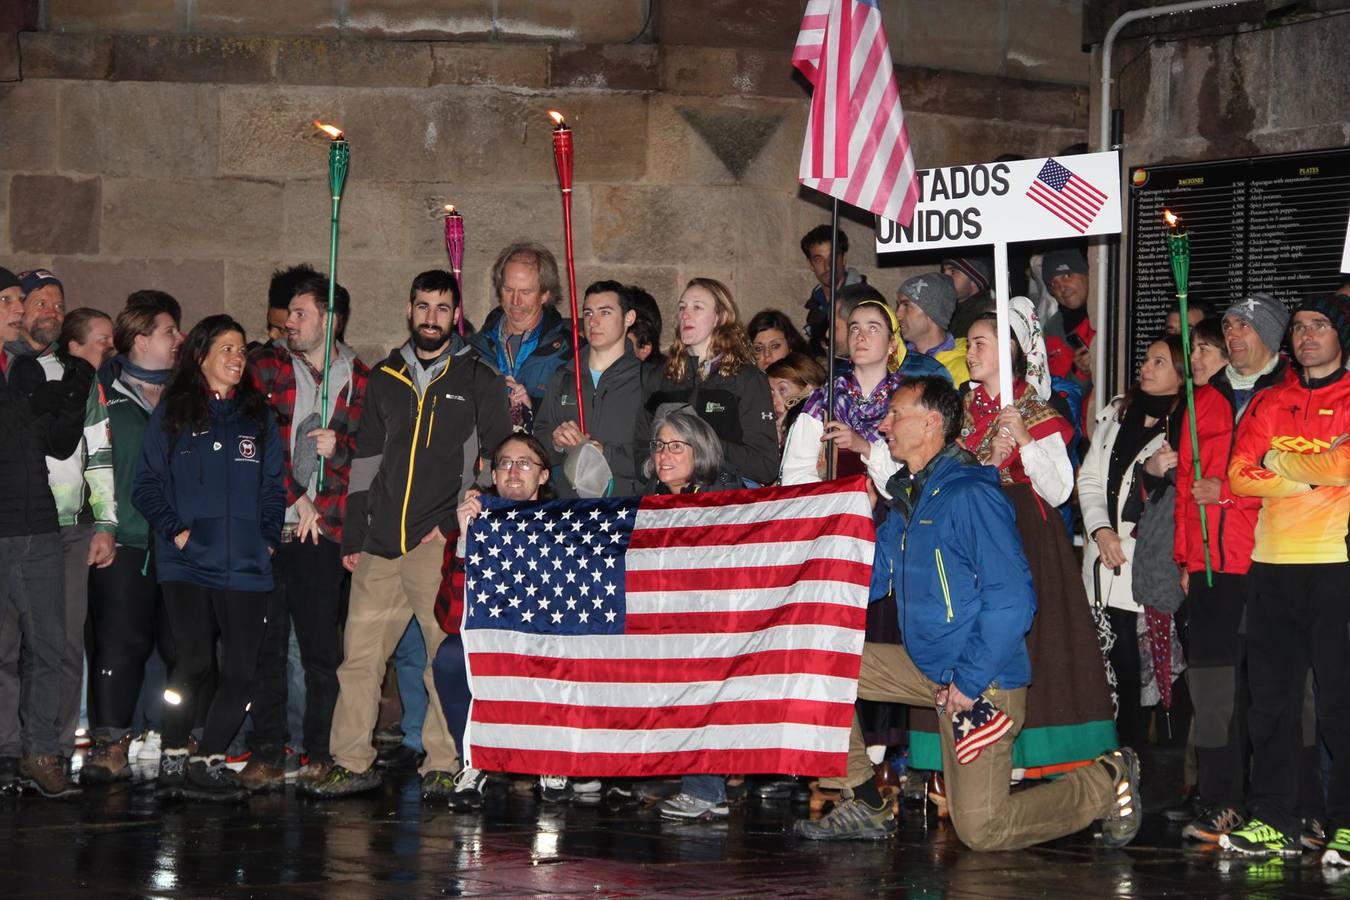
column 1253, row 329
column 309, row 565
column 1291, row 452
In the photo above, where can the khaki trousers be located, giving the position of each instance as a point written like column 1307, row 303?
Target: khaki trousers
column 984, row 813
column 385, row 594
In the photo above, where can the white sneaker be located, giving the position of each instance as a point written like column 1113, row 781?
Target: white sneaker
column 683, row 806
column 470, row 787
column 589, row 786
column 553, row 788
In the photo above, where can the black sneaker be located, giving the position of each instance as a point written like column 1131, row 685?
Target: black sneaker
column 1122, row 819
column 343, row 782
column 172, row 774
column 437, row 785
column 210, row 778
column 400, row 759
column 1212, row 823
column 850, row 820
column 470, row 788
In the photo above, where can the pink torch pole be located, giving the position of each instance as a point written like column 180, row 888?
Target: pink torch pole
column 454, row 248
column 562, row 155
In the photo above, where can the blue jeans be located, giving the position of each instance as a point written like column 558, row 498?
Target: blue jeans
column 410, row 662
column 452, row 686
column 712, row 788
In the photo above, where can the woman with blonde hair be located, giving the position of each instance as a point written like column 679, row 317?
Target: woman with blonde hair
column 711, row 368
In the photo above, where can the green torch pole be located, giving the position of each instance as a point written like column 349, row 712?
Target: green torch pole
column 1179, row 250
column 338, row 154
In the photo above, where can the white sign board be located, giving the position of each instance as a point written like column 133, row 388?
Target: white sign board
column 1024, row 200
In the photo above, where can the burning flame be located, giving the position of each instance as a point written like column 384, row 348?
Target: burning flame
column 557, row 117
column 1171, row 218
column 450, row 209
column 331, row 130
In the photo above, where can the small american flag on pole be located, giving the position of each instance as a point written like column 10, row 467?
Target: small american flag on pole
column 983, row 724
column 1066, row 195
column 857, row 146
column 700, row 633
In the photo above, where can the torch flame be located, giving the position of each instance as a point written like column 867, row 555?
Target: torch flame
column 450, row 209
column 1171, row 218
column 331, row 130
column 557, row 118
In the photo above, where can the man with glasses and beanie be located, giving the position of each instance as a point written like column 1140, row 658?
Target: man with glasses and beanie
column 431, row 407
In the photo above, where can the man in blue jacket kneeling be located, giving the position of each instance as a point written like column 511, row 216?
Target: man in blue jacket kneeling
column 950, row 551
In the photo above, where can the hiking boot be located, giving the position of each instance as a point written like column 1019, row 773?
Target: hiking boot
column 47, row 776
column 437, row 785
column 172, row 773
column 312, row 771
column 1314, row 834
column 470, row 789
column 9, row 774
column 553, row 788
column 211, row 778
column 1337, row 852
column 343, row 782
column 400, row 759
column 260, row 776
column 1256, row 838
column 107, row 762
column 850, row 820
column 685, row 806
column 1212, row 823
column 1121, row 822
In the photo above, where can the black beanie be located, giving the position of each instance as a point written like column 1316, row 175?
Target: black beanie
column 8, row 279
column 1336, row 307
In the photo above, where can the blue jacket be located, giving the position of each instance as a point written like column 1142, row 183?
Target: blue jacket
column 226, row 486
column 543, row 351
column 961, row 581
column 914, row 365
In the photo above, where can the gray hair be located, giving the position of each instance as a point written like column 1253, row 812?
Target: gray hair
column 703, row 441
column 531, row 254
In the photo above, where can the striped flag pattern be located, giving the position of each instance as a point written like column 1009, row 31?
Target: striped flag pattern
column 983, row 724
column 857, row 146
column 1066, row 195
column 702, row 633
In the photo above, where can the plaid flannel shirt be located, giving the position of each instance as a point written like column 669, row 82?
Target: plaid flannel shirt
column 272, row 370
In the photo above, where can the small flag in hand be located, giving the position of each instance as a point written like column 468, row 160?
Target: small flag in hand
column 977, row 728
column 1066, row 195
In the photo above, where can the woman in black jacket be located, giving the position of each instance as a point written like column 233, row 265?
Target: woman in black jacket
column 710, row 368
column 210, row 485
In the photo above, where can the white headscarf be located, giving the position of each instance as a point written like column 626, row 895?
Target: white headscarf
column 1026, row 327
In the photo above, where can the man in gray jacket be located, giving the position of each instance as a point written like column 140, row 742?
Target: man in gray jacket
column 615, row 384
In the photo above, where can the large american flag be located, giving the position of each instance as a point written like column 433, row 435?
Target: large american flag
column 702, row 633
column 857, row 146
column 1066, row 196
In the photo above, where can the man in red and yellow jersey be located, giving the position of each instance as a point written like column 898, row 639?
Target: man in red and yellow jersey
column 1292, row 452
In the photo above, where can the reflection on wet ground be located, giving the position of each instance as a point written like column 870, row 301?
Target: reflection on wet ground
column 122, row 842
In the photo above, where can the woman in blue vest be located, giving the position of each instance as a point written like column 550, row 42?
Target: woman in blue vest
column 210, row 485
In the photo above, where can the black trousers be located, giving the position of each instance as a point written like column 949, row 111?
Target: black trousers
column 1135, row 722
column 1216, row 677
column 200, row 617
column 126, row 621
column 1298, row 617
column 308, row 595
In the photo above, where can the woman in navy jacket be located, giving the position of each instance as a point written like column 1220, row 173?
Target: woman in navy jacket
column 210, row 485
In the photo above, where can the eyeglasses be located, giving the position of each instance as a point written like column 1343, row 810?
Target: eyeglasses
column 506, row 464
column 1320, row 326
column 674, row 448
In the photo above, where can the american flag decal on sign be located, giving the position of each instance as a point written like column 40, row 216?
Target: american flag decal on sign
column 1066, row 196
column 702, row 633
column 857, row 145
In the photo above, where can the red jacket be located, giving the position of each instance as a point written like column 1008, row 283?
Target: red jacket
column 449, row 608
column 1232, row 523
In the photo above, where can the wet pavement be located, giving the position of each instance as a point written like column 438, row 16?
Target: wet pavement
column 123, row 842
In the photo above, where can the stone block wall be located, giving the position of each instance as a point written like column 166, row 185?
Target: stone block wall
column 168, row 144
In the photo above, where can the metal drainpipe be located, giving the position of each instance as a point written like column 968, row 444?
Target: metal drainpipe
column 1100, row 397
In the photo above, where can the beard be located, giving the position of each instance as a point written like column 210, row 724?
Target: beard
column 46, row 331
column 428, row 343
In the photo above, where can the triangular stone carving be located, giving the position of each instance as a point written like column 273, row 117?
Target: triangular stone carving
column 735, row 136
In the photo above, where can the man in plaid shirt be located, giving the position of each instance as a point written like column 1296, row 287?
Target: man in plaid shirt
column 308, row 568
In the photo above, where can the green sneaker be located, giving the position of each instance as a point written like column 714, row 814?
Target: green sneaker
column 850, row 820
column 1256, row 838
column 342, row 782
column 437, row 785
column 1337, row 852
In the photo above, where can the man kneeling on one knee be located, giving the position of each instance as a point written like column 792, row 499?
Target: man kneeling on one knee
column 950, row 551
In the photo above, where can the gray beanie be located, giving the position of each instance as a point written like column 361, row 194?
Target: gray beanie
column 1268, row 317
column 933, row 293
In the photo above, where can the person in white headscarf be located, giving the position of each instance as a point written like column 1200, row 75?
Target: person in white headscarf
column 1023, row 435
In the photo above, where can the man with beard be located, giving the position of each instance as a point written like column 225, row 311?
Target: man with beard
column 432, row 410
column 82, row 485
column 308, row 568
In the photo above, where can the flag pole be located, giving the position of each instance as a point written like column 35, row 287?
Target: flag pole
column 831, row 451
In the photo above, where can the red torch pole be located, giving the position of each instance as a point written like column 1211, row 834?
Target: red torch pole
column 562, row 155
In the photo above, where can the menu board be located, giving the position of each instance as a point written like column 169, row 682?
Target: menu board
column 1272, row 223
